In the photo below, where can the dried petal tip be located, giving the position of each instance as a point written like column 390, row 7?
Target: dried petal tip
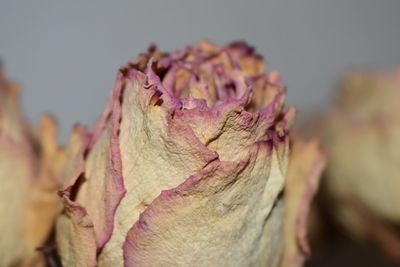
column 156, row 99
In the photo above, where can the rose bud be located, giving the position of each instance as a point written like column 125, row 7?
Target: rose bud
column 361, row 136
column 186, row 167
column 29, row 166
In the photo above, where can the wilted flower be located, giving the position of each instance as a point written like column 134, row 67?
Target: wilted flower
column 29, row 165
column 185, row 168
column 362, row 137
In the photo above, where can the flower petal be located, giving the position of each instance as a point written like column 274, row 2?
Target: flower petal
column 12, row 125
column 227, row 214
column 74, row 163
column 157, row 153
column 16, row 173
column 103, row 187
column 77, row 244
column 305, row 167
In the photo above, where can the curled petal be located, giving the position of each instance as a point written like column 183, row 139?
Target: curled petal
column 103, row 186
column 305, row 167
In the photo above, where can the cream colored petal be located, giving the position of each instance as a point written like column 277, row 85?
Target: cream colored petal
column 101, row 193
column 16, row 175
column 100, row 187
column 150, row 141
column 227, row 214
column 305, row 167
column 228, row 128
column 364, row 163
column 74, row 163
column 77, row 244
column 12, row 125
column 362, row 138
column 157, row 153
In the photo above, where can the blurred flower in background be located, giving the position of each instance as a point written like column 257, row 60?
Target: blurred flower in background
column 361, row 135
column 30, row 164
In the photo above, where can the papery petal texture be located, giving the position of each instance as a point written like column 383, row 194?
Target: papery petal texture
column 186, row 167
column 214, row 218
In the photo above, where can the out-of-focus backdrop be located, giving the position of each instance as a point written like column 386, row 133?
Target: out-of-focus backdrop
column 65, row 54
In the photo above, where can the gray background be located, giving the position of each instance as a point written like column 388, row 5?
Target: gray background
column 65, row 54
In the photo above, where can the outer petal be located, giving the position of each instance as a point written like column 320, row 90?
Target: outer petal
column 12, row 125
column 103, row 187
column 74, row 163
column 52, row 155
column 157, row 153
column 227, row 214
column 16, row 173
column 75, row 236
column 305, row 167
column 77, row 244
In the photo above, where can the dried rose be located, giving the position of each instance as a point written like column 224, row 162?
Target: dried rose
column 362, row 136
column 29, row 165
column 185, row 168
